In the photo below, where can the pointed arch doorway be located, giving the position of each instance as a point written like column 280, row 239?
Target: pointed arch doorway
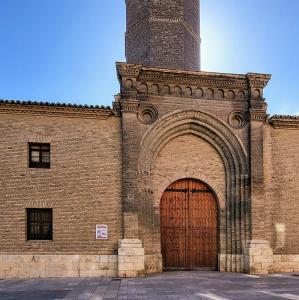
column 189, row 222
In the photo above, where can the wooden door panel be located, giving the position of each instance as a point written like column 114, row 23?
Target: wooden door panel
column 173, row 225
column 189, row 226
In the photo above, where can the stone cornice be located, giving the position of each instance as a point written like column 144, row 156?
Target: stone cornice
column 258, row 115
column 55, row 109
column 284, row 121
column 204, row 79
column 130, row 106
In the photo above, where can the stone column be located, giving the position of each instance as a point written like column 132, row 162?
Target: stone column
column 130, row 248
column 258, row 257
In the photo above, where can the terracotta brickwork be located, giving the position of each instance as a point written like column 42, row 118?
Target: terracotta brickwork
column 111, row 166
column 82, row 186
column 167, row 113
column 186, row 156
column 283, row 189
column 163, row 33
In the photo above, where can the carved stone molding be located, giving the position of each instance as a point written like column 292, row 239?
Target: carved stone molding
column 258, row 115
column 258, row 80
column 284, row 121
column 138, row 80
column 128, row 70
column 232, row 153
column 55, row 109
column 147, row 114
column 130, row 106
column 237, row 120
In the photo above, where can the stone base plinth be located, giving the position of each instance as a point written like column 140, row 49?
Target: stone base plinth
column 46, row 266
column 258, row 257
column 153, row 263
column 130, row 258
column 286, row 263
column 231, row 263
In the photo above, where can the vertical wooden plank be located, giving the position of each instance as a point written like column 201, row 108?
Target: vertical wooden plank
column 189, row 226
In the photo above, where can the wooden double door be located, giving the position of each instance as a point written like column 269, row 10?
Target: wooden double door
column 189, row 226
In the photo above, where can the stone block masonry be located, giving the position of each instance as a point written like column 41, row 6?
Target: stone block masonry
column 130, row 258
column 258, row 257
column 46, row 266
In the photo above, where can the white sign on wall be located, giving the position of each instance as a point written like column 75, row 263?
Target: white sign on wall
column 101, row 232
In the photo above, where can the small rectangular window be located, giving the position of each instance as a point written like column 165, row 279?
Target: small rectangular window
column 39, row 155
column 39, row 224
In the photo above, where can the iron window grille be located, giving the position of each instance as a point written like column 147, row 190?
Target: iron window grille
column 39, row 155
column 39, row 224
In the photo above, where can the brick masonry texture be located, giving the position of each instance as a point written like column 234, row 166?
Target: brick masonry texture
column 163, row 33
column 111, row 166
column 170, row 149
column 282, row 184
column 83, row 185
column 186, row 156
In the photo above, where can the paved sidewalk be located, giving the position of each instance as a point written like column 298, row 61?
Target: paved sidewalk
column 171, row 285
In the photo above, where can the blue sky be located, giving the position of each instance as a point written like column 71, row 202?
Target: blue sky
column 65, row 50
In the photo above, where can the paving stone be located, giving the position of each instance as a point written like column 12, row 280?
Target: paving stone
column 174, row 285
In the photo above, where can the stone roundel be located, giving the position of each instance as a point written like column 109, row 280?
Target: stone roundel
column 147, row 114
column 237, row 120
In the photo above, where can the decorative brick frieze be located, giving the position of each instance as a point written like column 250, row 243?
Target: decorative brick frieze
column 200, row 85
column 128, row 70
column 258, row 115
column 284, row 121
column 256, row 80
column 55, row 109
column 130, row 106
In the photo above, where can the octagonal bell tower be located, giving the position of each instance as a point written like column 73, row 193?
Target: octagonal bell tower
column 163, row 33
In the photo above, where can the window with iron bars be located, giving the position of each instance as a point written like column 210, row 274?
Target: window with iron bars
column 39, row 224
column 39, row 155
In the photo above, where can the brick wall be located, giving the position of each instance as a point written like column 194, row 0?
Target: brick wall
column 83, row 185
column 163, row 33
column 179, row 124
column 282, row 177
column 186, row 156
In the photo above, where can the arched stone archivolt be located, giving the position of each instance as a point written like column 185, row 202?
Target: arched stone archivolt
column 168, row 180
column 235, row 219
column 175, row 123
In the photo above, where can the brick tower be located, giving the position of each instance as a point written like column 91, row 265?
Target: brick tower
column 163, row 33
